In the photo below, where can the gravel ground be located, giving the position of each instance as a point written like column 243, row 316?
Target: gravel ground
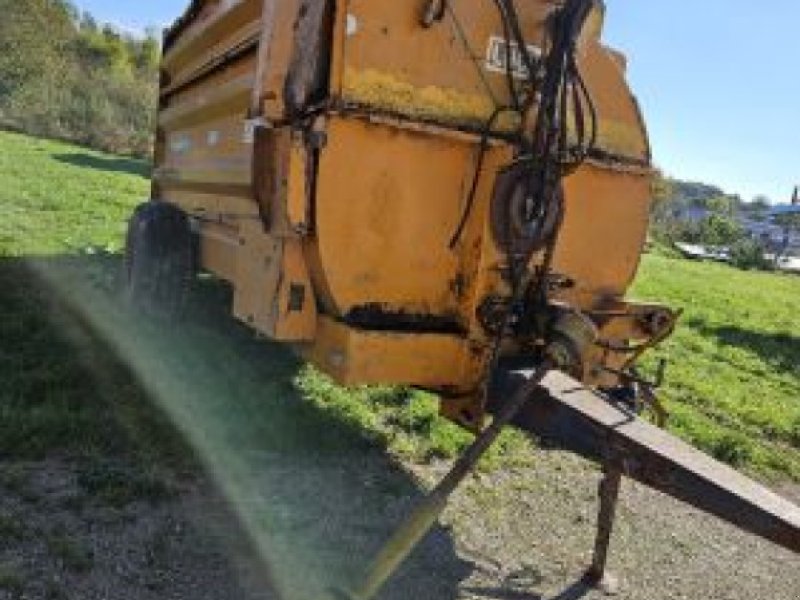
column 513, row 535
column 542, row 530
column 59, row 542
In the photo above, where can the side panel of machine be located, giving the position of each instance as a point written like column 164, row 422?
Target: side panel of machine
column 441, row 73
column 604, row 231
column 244, row 186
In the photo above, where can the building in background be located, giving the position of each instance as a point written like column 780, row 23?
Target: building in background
column 784, row 221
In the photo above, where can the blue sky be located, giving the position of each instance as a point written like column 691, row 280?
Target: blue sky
column 718, row 82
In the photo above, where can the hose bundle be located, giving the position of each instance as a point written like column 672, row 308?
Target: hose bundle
column 528, row 201
column 548, row 154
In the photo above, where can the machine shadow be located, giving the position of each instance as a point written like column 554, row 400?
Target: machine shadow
column 779, row 349
column 575, row 591
column 316, row 496
column 129, row 166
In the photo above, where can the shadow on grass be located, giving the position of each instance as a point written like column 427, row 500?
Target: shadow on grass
column 130, row 166
column 82, row 376
column 782, row 350
column 57, row 384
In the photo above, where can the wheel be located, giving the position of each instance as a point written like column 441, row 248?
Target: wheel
column 159, row 260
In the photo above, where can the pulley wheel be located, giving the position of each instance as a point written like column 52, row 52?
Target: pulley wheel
column 520, row 226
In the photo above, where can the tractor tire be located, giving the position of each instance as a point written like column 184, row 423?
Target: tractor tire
column 159, row 260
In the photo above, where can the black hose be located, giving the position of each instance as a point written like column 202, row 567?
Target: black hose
column 476, row 178
column 550, row 155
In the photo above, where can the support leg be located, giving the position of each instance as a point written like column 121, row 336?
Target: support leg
column 411, row 533
column 609, row 495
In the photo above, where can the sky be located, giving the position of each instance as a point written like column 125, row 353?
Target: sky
column 717, row 79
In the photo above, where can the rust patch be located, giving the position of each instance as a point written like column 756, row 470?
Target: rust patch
column 378, row 317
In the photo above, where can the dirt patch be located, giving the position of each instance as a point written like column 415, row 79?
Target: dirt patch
column 60, row 540
column 521, row 534
column 532, row 531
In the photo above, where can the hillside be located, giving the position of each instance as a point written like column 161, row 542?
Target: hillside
column 64, row 75
column 693, row 193
column 113, row 428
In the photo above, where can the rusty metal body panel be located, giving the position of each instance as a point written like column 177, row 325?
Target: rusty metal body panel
column 326, row 155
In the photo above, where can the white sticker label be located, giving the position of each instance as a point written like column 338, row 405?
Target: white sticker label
column 180, row 143
column 351, row 28
column 213, row 138
column 499, row 52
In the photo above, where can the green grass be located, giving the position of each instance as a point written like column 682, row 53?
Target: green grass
column 11, row 581
column 56, row 382
column 57, row 385
column 59, row 198
column 734, row 376
column 73, row 554
column 11, row 529
column 733, row 388
column 404, row 421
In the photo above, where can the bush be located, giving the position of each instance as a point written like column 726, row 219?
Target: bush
column 750, row 254
column 720, row 230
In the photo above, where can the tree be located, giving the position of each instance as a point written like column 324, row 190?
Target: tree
column 748, row 253
column 664, row 223
column 722, row 205
column 760, row 202
column 63, row 75
column 721, row 230
column 33, row 37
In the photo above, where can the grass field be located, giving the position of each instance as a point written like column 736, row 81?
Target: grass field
column 733, row 389
column 734, row 376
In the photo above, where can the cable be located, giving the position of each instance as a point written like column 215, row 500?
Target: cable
column 547, row 154
column 509, row 19
column 473, row 192
column 553, row 157
column 475, row 61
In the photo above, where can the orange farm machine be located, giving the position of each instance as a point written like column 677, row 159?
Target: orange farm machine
column 447, row 194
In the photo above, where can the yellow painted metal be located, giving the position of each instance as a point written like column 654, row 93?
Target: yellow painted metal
column 356, row 357
column 384, row 218
column 444, row 74
column 334, row 230
column 300, row 188
column 295, row 309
